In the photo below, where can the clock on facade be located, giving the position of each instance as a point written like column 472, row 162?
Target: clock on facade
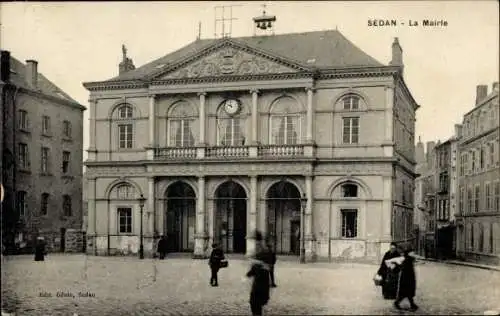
column 232, row 106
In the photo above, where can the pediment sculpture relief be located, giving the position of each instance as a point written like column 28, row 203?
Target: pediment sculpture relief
column 229, row 61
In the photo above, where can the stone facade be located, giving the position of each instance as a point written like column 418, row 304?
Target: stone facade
column 478, row 236
column 304, row 157
column 45, row 137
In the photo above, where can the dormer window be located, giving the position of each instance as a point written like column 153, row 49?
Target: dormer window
column 349, row 190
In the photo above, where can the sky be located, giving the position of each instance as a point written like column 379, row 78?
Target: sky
column 77, row 42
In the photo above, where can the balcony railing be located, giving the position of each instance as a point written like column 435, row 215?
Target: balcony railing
column 175, row 152
column 268, row 151
column 281, row 150
column 223, row 151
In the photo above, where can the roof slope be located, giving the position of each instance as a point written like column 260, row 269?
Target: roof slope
column 328, row 49
column 44, row 85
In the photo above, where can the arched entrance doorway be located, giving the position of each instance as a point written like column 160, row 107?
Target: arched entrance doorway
column 230, row 222
column 181, row 217
column 283, row 217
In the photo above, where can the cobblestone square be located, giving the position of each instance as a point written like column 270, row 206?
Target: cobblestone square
column 179, row 286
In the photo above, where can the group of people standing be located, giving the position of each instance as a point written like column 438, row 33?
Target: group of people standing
column 397, row 276
column 261, row 270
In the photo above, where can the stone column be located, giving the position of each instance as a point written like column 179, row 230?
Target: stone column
column 389, row 117
column 92, row 150
column 91, row 216
column 200, row 236
column 151, row 207
column 202, row 119
column 254, row 141
column 310, row 114
column 252, row 216
column 152, row 126
column 308, row 223
column 211, row 225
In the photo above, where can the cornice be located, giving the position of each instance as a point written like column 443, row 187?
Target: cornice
column 50, row 98
column 400, row 80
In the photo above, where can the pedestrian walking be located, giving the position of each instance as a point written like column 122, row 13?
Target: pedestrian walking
column 162, row 247
column 40, row 251
column 407, row 282
column 272, row 254
column 389, row 277
column 259, row 270
column 216, row 258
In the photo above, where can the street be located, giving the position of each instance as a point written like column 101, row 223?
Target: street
column 179, row 286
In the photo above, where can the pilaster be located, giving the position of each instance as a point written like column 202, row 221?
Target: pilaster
column 92, row 150
column 200, row 152
column 252, row 217
column 310, row 116
column 91, row 217
column 152, row 121
column 386, row 216
column 308, row 227
column 151, row 207
column 389, row 121
column 201, row 234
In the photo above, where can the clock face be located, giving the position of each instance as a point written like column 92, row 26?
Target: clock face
column 231, row 106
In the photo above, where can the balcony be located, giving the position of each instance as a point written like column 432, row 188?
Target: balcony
column 227, row 152
column 263, row 151
column 281, row 150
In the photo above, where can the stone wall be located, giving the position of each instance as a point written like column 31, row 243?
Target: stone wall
column 74, row 240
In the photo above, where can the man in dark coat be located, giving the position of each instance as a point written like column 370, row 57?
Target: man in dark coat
column 261, row 265
column 389, row 277
column 214, row 261
column 272, row 255
column 40, row 249
column 407, row 281
column 162, row 246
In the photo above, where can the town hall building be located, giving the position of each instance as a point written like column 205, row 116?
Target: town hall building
column 302, row 136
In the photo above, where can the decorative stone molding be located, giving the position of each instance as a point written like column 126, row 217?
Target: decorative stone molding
column 354, row 169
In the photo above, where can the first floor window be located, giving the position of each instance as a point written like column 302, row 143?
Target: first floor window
column 45, row 125
column 67, row 129
column 22, row 119
column 181, row 134
column 45, row 204
column 231, row 132
column 350, row 128
column 470, row 201
column 476, row 198
column 22, row 203
column 496, row 202
column 487, row 197
column 67, row 205
column 24, row 159
column 125, row 220
column 461, row 199
column 285, row 130
column 65, row 163
column 125, row 135
column 45, row 160
column 472, row 236
column 349, row 223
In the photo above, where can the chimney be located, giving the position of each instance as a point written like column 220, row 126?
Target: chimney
column 5, row 66
column 420, row 151
column 494, row 87
column 127, row 64
column 397, row 54
column 458, row 130
column 481, row 93
column 32, row 73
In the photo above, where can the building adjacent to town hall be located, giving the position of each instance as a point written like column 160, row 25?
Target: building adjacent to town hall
column 41, row 159
column 302, row 136
column 478, row 221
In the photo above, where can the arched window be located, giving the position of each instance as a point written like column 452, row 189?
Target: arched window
column 125, row 192
column 125, row 126
column 286, row 121
column 67, row 205
column 350, row 102
column 231, row 127
column 180, row 125
column 349, row 190
column 44, row 204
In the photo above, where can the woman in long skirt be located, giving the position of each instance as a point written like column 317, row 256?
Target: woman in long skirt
column 407, row 283
column 389, row 276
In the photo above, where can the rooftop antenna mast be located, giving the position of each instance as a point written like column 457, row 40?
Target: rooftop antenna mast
column 224, row 20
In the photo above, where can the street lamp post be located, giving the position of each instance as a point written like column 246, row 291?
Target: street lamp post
column 303, row 202
column 141, row 200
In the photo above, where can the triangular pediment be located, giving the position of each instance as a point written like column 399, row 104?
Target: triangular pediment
column 228, row 59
